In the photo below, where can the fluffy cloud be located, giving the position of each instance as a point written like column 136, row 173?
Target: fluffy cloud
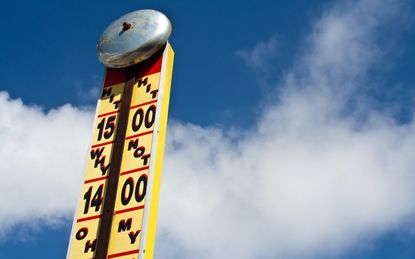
column 316, row 176
column 41, row 161
column 260, row 57
column 313, row 178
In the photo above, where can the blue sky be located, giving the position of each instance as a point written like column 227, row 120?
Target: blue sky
column 291, row 128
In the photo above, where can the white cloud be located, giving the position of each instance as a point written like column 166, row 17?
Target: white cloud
column 86, row 87
column 260, row 56
column 42, row 157
column 313, row 178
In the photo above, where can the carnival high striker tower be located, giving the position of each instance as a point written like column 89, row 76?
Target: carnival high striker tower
column 117, row 210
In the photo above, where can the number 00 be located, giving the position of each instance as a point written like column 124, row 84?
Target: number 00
column 128, row 189
column 148, row 118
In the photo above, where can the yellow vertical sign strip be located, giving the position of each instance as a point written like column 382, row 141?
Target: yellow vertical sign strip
column 150, row 214
column 132, row 187
column 133, row 227
column 87, row 217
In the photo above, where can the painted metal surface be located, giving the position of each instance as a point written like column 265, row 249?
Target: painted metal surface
column 156, row 162
column 133, row 38
column 88, row 216
column 131, row 231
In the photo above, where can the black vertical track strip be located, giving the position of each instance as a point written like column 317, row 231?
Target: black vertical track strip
column 104, row 229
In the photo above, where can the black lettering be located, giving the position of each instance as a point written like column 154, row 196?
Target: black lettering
column 81, row 234
column 141, row 188
column 97, row 153
column 124, row 225
column 117, row 104
column 104, row 169
column 89, row 245
column 133, row 236
column 137, row 119
column 142, row 81
column 139, row 151
column 96, row 200
column 87, row 198
column 100, row 162
column 150, row 116
column 154, row 93
column 145, row 159
column 106, row 92
column 108, row 125
column 126, row 196
column 133, row 144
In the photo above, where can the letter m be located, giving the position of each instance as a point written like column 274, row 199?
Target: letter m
column 124, row 225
